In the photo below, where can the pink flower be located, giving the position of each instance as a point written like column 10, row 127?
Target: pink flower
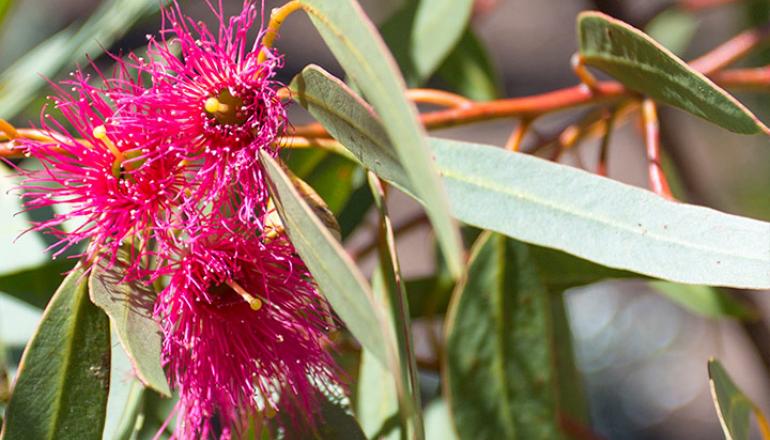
column 244, row 334
column 112, row 186
column 215, row 104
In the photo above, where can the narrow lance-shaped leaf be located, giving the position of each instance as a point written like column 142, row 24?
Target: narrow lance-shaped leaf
column 23, row 79
column 360, row 51
column 35, row 286
column 641, row 64
column 423, row 32
column 63, row 379
column 339, row 279
column 499, row 379
column 556, row 206
column 733, row 406
column 129, row 306
column 394, row 295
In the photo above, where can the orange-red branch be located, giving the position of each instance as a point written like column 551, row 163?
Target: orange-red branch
column 658, row 182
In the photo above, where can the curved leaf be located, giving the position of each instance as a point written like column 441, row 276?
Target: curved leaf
column 339, row 279
column 704, row 300
column 423, row 32
column 733, row 407
column 35, row 286
column 641, row 64
column 499, row 379
column 63, row 380
column 359, row 49
column 552, row 205
column 129, row 306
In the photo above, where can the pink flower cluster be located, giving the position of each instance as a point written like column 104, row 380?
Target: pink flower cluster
column 164, row 160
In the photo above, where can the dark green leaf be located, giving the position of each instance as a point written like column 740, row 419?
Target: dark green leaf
column 129, row 306
column 556, row 206
column 499, row 379
column 423, row 32
column 335, row 273
column 704, row 300
column 63, row 380
column 331, row 175
column 469, row 71
column 359, row 49
column 21, row 81
column 338, row 423
column 35, row 286
column 641, row 64
column 733, row 407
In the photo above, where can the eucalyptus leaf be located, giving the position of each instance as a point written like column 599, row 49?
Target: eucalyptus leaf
column 338, row 278
column 360, row 51
column 556, row 206
column 468, row 69
column 63, row 379
column 499, row 380
column 423, row 32
column 129, row 306
column 23, row 80
column 641, row 64
column 707, row 301
column 35, row 286
column 732, row 405
column 393, row 294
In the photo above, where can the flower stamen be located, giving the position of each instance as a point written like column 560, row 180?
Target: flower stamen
column 100, row 132
column 254, row 302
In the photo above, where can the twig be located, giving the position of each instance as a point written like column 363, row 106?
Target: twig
column 438, row 97
column 514, row 141
column 601, row 168
column 658, row 182
column 411, row 223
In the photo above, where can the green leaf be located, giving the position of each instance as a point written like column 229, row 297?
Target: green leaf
column 423, row 32
column 390, row 290
column 330, row 175
column 337, row 277
column 5, row 7
column 338, row 424
column 438, row 422
column 360, row 51
column 498, row 375
column 704, row 300
column 469, row 70
column 673, row 29
column 23, row 80
column 377, row 408
column 130, row 420
column 129, row 306
column 641, row 64
column 35, row 286
column 556, row 206
column 733, row 407
column 63, row 380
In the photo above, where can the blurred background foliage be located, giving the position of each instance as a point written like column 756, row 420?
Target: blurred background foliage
column 641, row 354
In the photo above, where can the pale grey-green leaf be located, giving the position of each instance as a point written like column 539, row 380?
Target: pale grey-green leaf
column 360, row 50
column 129, row 306
column 336, row 274
column 552, row 205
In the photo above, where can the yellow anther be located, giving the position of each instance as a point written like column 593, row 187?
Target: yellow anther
column 212, row 105
column 254, row 302
column 100, row 132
